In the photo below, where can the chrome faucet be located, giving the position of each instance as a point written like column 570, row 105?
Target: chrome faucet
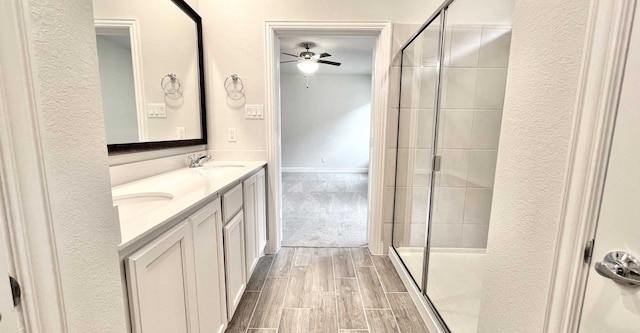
column 196, row 161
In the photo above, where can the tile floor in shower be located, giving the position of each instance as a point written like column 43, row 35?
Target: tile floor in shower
column 322, row 209
column 454, row 283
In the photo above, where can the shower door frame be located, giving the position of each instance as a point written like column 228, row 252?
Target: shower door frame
column 602, row 73
column 432, row 312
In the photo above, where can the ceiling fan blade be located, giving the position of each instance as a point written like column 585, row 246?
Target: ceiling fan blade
column 289, row 54
column 322, row 55
column 332, row 63
column 284, row 62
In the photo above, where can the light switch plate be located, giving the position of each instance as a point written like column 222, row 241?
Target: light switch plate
column 254, row 111
column 156, row 110
column 233, row 134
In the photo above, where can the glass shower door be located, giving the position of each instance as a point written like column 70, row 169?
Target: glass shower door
column 474, row 72
column 418, row 97
column 453, row 79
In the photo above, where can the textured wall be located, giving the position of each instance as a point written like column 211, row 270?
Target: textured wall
column 75, row 156
column 546, row 51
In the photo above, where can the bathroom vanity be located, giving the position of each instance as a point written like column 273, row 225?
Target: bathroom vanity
column 190, row 240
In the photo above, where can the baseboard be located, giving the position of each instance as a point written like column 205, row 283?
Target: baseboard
column 428, row 316
column 327, row 170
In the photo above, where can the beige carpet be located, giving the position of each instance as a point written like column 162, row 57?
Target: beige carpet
column 324, row 209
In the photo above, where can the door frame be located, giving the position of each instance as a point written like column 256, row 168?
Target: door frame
column 32, row 252
column 603, row 63
column 381, row 30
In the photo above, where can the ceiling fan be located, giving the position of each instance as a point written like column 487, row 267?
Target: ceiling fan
column 308, row 61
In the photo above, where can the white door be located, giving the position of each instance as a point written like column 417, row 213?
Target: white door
column 8, row 313
column 250, row 224
column 207, row 242
column 234, row 258
column 162, row 284
column 609, row 306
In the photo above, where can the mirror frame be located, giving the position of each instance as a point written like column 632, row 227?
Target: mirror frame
column 123, row 148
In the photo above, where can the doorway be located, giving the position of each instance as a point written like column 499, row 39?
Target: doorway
column 381, row 33
column 326, row 126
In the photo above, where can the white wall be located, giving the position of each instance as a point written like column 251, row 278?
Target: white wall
column 544, row 66
column 85, row 228
column 118, row 94
column 234, row 35
column 234, row 43
column 331, row 119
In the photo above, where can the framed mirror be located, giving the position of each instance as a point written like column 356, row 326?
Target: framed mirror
column 151, row 63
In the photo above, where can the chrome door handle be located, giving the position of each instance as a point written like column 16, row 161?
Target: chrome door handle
column 621, row 267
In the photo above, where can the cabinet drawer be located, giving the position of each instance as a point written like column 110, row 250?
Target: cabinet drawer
column 231, row 202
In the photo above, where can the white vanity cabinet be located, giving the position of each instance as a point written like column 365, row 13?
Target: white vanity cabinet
column 254, row 219
column 162, row 284
column 234, row 255
column 250, row 222
column 206, row 225
column 176, row 283
column 191, row 278
column 261, row 211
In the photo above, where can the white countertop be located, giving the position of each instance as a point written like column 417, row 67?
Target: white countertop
column 190, row 187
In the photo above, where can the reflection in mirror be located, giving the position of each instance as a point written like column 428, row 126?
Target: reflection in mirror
column 118, row 87
column 150, row 73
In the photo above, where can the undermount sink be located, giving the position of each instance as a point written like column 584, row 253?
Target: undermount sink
column 138, row 198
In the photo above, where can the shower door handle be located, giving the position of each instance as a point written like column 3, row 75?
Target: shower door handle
column 621, row 267
column 437, row 160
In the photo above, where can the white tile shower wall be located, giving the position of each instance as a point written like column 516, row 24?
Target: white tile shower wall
column 474, row 79
column 473, row 94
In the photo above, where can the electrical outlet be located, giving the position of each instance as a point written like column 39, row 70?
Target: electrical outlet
column 181, row 133
column 233, row 134
column 254, row 111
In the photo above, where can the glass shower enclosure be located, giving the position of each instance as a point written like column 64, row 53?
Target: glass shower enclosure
column 453, row 78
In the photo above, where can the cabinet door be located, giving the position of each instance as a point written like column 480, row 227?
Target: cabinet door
column 234, row 258
column 206, row 225
column 261, row 211
column 250, row 219
column 162, row 284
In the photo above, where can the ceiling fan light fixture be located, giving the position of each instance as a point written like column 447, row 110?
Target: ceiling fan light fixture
column 308, row 66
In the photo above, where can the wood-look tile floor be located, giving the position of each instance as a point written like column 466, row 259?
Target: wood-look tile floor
column 332, row 290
